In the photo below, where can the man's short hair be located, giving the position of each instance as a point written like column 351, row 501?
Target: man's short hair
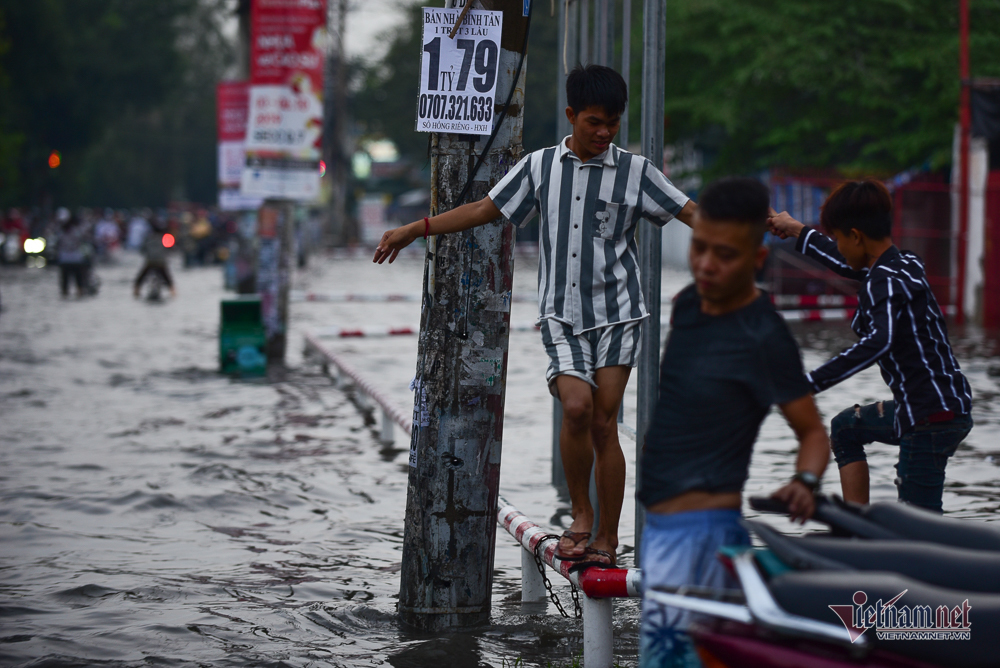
column 862, row 205
column 596, row 86
column 737, row 199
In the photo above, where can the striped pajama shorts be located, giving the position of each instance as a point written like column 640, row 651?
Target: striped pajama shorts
column 581, row 355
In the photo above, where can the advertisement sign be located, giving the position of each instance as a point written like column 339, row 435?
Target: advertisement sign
column 285, row 125
column 458, row 77
column 232, row 100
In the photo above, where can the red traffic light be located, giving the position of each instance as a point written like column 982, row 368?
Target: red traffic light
column 168, row 241
column 55, row 159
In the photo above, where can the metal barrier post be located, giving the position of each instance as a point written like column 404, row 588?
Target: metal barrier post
column 598, row 633
column 386, row 435
column 532, row 585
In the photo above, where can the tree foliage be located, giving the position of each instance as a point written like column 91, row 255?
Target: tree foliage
column 99, row 81
column 860, row 86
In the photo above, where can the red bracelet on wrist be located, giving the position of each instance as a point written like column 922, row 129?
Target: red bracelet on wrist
column 427, row 226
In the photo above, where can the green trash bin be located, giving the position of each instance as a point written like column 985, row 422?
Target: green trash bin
column 242, row 339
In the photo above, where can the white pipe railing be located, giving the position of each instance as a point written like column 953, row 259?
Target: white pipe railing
column 391, row 414
column 599, row 585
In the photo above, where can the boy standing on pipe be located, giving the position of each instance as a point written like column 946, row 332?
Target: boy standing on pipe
column 902, row 329
column 590, row 196
column 729, row 358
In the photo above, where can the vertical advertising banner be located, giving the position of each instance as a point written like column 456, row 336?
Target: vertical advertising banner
column 232, row 99
column 458, row 77
column 285, row 125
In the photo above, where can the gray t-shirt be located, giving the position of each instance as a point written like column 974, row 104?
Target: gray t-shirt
column 719, row 377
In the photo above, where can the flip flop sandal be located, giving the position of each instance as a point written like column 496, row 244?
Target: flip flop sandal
column 589, row 552
column 577, row 537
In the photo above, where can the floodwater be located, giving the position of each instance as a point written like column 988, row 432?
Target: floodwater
column 153, row 512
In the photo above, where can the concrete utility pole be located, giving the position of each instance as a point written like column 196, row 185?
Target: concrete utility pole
column 446, row 579
column 650, row 263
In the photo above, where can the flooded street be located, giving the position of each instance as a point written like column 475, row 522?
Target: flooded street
column 154, row 512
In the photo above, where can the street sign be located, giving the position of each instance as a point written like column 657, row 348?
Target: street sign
column 232, row 99
column 458, row 76
column 285, row 125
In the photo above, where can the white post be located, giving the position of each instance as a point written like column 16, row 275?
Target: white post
column 598, row 632
column 532, row 585
column 386, row 427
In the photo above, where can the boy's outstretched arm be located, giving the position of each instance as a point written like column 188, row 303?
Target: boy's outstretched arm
column 814, row 453
column 464, row 217
column 686, row 214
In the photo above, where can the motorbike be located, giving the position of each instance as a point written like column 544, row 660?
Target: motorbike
column 886, row 586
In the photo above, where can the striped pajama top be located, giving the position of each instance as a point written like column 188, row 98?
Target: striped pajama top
column 588, row 269
column 901, row 328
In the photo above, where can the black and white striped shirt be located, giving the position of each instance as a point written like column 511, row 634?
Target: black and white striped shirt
column 901, row 328
column 588, row 270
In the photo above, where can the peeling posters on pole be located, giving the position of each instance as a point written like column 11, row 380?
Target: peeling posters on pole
column 458, row 76
column 285, row 124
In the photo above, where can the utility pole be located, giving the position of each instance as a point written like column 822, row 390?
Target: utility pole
column 339, row 228
column 965, row 121
column 650, row 250
column 626, row 66
column 449, row 538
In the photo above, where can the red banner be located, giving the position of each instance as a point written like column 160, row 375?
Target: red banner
column 288, row 42
column 232, row 103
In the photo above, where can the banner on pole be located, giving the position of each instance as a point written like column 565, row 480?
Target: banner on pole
column 285, row 125
column 232, row 99
column 458, row 77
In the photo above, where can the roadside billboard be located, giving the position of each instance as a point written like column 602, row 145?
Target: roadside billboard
column 285, row 124
column 232, row 99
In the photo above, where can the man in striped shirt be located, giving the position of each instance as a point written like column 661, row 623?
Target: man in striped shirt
column 901, row 329
column 589, row 195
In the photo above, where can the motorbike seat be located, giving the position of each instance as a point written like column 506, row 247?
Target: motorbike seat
column 919, row 524
column 952, row 568
column 810, row 593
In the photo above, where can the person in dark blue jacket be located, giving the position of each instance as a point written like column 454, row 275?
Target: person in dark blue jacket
column 901, row 328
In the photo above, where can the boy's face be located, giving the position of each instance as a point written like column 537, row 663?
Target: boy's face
column 594, row 128
column 851, row 246
column 724, row 257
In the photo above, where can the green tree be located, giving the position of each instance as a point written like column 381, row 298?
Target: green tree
column 860, row 86
column 123, row 89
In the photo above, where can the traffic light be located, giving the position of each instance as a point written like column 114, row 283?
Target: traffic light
column 55, row 159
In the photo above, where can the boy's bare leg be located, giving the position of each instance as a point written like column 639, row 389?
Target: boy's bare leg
column 610, row 473
column 854, row 481
column 590, row 425
column 577, row 449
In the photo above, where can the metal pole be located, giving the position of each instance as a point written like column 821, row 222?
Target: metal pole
column 626, row 65
column 532, row 584
column 567, row 58
column 598, row 632
column 965, row 119
column 449, row 537
column 653, row 55
column 604, row 32
column 584, row 35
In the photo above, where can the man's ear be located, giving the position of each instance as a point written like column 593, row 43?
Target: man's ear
column 761, row 257
column 856, row 235
column 571, row 115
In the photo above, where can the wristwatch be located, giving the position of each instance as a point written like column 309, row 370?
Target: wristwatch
column 807, row 478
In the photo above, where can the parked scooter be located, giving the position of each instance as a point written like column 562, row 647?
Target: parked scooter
column 891, row 586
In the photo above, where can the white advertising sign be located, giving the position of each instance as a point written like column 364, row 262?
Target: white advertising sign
column 284, row 132
column 458, row 77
